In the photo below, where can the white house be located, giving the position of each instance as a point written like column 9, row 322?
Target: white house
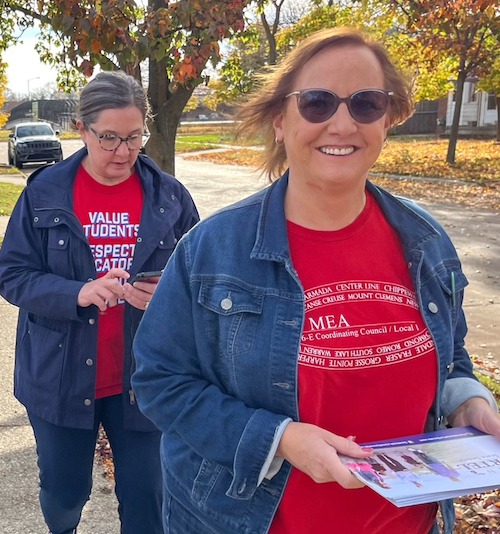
column 479, row 109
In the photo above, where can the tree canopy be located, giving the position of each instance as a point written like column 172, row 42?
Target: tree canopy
column 467, row 32
column 177, row 40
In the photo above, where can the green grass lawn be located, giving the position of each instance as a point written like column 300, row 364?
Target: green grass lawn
column 9, row 193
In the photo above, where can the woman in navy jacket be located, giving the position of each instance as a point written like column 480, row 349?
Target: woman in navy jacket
column 48, row 270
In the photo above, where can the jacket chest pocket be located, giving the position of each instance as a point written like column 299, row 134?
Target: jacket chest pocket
column 59, row 260
column 233, row 315
column 160, row 253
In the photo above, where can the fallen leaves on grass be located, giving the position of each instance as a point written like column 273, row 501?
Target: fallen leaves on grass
column 478, row 514
column 475, row 160
column 104, row 454
column 472, row 195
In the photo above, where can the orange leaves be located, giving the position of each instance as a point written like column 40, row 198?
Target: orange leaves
column 185, row 71
column 182, row 34
column 476, row 160
column 86, row 68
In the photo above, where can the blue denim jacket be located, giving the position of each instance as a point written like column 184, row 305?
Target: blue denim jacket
column 217, row 350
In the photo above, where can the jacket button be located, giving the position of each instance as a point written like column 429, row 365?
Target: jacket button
column 61, row 242
column 91, row 321
column 89, row 362
column 451, row 367
column 56, row 219
column 162, row 210
column 35, row 219
column 432, row 307
column 139, row 240
column 226, row 304
column 161, row 242
column 87, row 402
column 90, row 279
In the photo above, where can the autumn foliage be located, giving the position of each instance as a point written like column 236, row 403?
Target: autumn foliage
column 123, row 33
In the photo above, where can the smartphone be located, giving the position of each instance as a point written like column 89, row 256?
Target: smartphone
column 144, row 274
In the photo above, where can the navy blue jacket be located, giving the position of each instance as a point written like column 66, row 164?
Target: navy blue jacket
column 44, row 262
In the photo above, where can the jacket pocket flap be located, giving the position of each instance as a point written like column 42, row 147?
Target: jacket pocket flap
column 452, row 280
column 58, row 239
column 227, row 298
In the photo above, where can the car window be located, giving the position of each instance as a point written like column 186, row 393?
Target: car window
column 23, row 131
column 36, row 129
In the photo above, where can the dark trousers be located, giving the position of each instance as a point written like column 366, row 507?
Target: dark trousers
column 65, row 460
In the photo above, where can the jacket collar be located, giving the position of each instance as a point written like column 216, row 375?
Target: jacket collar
column 52, row 185
column 409, row 220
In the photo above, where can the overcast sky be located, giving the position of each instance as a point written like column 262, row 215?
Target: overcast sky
column 23, row 65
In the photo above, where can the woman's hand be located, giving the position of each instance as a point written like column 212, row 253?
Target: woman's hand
column 140, row 293
column 477, row 412
column 314, row 451
column 103, row 292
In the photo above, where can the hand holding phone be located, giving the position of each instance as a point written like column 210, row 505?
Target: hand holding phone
column 143, row 275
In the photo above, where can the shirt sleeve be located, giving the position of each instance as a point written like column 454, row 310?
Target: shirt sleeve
column 273, row 463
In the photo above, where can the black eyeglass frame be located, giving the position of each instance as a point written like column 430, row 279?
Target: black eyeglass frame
column 338, row 100
column 122, row 139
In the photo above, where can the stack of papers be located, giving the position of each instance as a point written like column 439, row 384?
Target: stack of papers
column 430, row 467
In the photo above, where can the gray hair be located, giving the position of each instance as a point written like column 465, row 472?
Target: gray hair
column 110, row 90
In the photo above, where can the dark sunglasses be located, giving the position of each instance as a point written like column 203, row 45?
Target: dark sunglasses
column 318, row 105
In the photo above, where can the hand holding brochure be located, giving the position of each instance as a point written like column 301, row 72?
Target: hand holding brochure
column 430, row 467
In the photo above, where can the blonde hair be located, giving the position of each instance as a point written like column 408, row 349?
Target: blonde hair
column 258, row 113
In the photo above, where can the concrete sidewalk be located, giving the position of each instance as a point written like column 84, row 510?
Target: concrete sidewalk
column 474, row 232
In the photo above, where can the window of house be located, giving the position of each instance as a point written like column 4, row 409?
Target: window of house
column 492, row 101
column 472, row 92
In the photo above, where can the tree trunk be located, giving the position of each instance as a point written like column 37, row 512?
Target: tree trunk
column 166, row 110
column 459, row 94
column 498, row 118
column 271, row 40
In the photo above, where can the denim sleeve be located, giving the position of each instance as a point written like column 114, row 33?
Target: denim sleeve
column 178, row 386
column 458, row 390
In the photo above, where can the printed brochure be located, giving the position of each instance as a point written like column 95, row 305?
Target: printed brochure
column 430, row 467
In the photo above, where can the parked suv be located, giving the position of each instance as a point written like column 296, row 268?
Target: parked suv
column 32, row 142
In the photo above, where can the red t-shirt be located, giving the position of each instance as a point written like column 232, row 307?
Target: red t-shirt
column 367, row 368
column 110, row 217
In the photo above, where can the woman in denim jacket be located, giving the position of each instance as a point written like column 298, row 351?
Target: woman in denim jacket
column 320, row 313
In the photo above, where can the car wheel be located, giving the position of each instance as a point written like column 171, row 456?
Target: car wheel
column 17, row 163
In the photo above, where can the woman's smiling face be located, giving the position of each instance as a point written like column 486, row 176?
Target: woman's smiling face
column 339, row 151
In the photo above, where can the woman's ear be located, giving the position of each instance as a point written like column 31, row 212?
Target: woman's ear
column 80, row 125
column 278, row 128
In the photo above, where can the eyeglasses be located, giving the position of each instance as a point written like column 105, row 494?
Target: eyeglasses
column 318, row 105
column 111, row 142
